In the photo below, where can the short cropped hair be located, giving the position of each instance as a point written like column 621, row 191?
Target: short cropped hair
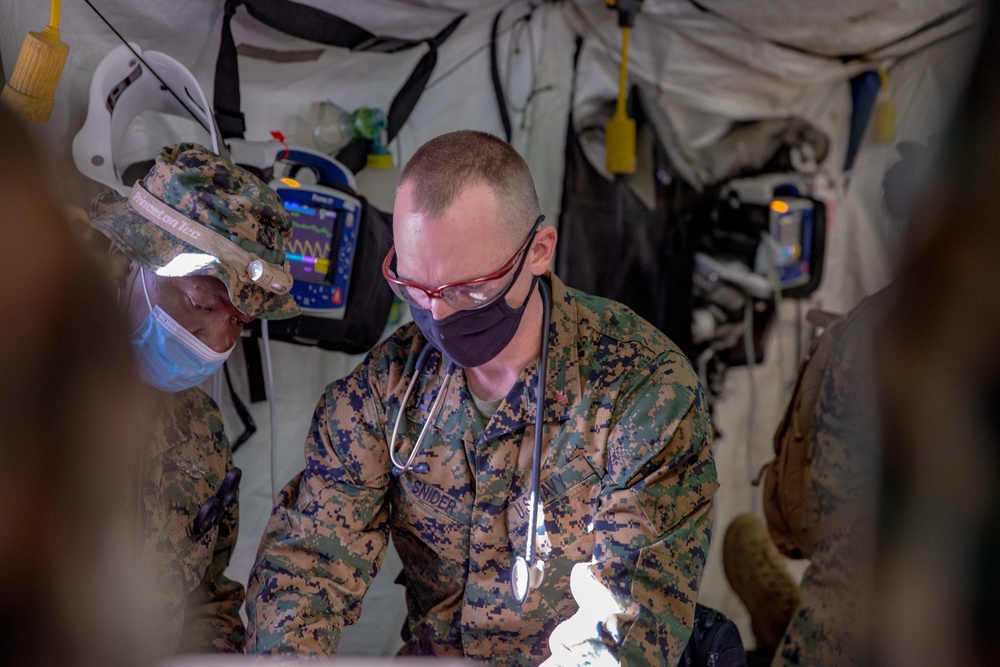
column 444, row 166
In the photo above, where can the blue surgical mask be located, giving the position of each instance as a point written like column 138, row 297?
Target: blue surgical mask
column 171, row 358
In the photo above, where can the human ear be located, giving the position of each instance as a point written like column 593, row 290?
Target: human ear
column 543, row 248
column 121, row 267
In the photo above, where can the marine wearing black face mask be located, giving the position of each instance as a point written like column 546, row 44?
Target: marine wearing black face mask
column 472, row 337
column 619, row 429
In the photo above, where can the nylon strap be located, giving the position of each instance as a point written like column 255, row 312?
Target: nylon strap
column 495, row 75
column 315, row 25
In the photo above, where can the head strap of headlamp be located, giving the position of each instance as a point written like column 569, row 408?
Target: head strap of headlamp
column 269, row 275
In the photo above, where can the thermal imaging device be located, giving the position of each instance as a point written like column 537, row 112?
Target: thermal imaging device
column 325, row 221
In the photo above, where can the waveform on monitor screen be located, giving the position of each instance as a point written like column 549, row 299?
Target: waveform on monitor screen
column 308, row 248
column 325, row 231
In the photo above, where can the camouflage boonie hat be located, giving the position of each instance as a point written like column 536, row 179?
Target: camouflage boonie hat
column 209, row 191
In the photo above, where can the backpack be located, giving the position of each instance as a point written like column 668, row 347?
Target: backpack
column 791, row 506
column 715, row 641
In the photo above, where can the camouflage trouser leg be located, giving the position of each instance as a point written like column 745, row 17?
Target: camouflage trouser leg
column 827, row 628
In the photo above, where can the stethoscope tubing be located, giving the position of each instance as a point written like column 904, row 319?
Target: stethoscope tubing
column 536, row 454
column 400, row 468
column 528, row 561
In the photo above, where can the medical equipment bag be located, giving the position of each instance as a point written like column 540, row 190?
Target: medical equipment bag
column 312, row 24
column 368, row 300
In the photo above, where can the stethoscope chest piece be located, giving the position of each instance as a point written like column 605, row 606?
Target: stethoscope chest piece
column 524, row 578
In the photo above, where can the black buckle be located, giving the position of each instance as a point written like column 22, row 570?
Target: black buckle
column 210, row 512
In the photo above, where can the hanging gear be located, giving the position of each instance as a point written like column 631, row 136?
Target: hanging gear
column 369, row 299
column 317, row 26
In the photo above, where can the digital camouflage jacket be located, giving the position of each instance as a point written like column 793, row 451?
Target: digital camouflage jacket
column 186, row 460
column 627, row 478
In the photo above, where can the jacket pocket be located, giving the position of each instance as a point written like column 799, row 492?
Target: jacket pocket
column 566, row 513
column 430, row 529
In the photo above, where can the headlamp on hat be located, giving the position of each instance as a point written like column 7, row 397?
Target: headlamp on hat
column 273, row 275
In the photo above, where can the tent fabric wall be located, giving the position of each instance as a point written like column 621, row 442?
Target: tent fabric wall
column 710, row 64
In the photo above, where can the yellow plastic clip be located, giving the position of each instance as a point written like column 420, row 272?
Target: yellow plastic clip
column 619, row 132
column 885, row 113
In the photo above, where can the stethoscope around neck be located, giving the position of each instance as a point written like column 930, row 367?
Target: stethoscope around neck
column 527, row 571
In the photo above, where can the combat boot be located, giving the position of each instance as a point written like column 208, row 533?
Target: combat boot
column 757, row 572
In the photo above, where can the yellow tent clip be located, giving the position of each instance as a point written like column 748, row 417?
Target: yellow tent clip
column 885, row 113
column 31, row 90
column 619, row 131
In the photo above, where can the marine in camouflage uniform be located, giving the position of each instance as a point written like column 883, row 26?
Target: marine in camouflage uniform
column 626, row 483
column 192, row 194
column 831, row 625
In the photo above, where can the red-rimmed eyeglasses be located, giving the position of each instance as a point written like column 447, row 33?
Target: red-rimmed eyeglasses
column 464, row 295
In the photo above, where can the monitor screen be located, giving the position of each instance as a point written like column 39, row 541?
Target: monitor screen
column 312, row 247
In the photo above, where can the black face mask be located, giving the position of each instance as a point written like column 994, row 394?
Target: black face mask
column 470, row 338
